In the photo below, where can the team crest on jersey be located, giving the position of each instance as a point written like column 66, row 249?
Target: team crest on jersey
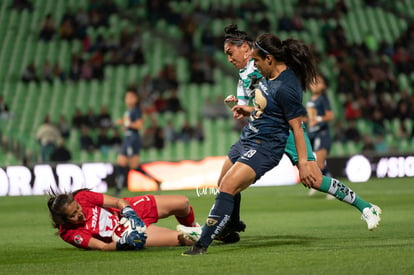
column 78, row 239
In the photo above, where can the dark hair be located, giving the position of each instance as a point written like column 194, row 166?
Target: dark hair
column 236, row 37
column 295, row 54
column 57, row 203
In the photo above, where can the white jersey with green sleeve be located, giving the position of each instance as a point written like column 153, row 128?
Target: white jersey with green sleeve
column 249, row 77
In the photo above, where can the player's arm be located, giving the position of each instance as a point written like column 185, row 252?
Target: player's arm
column 241, row 111
column 136, row 124
column 96, row 244
column 305, row 172
column 118, row 203
column 126, row 211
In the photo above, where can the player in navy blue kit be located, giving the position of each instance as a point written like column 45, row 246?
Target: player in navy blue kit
column 319, row 115
column 288, row 68
column 128, row 156
column 132, row 122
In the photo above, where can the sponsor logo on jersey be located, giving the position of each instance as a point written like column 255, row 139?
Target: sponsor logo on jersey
column 94, row 217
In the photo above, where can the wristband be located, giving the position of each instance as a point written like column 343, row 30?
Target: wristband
column 319, row 119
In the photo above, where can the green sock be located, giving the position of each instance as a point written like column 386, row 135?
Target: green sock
column 342, row 193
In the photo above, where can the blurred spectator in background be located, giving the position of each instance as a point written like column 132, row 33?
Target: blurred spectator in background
column 378, row 126
column 48, row 136
column 352, row 133
column 199, row 131
column 103, row 141
column 47, row 28
column 159, row 140
column 381, row 147
column 116, row 139
column 75, row 69
column 67, row 28
column 4, row 109
column 402, row 60
column 170, row 134
column 78, row 119
column 215, row 110
column 104, row 119
column 91, row 118
column 64, row 127
column 147, row 140
column 85, row 140
column 58, row 72
column 22, row 5
column 368, row 146
column 187, row 132
column 61, row 153
column 30, row 74
column 86, row 71
column 404, row 108
column 47, row 72
column 352, row 108
column 173, row 102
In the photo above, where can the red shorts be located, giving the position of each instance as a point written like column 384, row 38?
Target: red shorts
column 146, row 208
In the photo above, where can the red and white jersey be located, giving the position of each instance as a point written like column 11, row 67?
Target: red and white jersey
column 99, row 222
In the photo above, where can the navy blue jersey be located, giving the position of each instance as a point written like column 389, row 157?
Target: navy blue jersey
column 131, row 116
column 276, row 102
column 321, row 104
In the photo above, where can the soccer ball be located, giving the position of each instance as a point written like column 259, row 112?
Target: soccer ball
column 123, row 227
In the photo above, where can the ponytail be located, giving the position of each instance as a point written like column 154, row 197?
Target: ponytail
column 293, row 53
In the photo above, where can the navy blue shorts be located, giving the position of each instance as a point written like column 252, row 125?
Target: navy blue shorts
column 261, row 157
column 321, row 140
column 130, row 146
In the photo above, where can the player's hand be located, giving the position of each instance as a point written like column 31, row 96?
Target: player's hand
column 132, row 241
column 230, row 101
column 136, row 222
column 306, row 175
column 240, row 111
column 119, row 121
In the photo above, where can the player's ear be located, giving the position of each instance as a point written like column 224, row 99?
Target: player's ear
column 269, row 59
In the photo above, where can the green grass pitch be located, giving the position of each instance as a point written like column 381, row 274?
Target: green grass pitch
column 287, row 233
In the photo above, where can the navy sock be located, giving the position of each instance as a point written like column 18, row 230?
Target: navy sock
column 120, row 178
column 217, row 218
column 235, row 215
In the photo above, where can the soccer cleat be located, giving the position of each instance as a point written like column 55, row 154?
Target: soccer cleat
column 371, row 215
column 230, row 233
column 190, row 232
column 196, row 249
column 312, row 192
column 232, row 237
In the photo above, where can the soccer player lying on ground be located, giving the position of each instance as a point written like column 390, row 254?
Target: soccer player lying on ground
column 87, row 219
column 288, row 68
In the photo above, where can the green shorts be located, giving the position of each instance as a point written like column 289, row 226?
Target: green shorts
column 290, row 149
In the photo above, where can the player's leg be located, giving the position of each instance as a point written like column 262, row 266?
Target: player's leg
column 121, row 170
column 161, row 236
column 179, row 206
column 235, row 224
column 238, row 178
column 370, row 213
